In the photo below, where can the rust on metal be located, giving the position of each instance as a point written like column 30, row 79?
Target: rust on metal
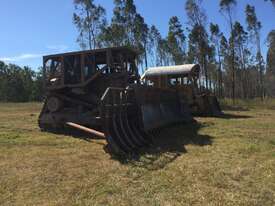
column 102, row 89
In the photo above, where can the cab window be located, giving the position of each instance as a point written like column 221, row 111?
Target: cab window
column 53, row 71
column 72, row 68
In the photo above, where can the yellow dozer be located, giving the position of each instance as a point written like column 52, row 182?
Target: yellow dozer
column 184, row 79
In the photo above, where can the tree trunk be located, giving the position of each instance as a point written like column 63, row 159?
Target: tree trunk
column 89, row 31
column 219, row 75
column 259, row 56
column 233, row 61
column 145, row 55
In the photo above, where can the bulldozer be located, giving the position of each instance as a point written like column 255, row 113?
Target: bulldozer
column 184, row 79
column 100, row 92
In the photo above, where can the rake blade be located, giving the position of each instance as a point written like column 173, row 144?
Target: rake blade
column 160, row 107
column 133, row 115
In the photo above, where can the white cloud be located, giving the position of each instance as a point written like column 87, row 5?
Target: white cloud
column 21, row 57
column 28, row 56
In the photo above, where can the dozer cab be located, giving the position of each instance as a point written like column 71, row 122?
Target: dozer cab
column 184, row 79
column 100, row 92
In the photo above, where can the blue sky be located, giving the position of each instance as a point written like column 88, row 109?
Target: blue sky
column 33, row 28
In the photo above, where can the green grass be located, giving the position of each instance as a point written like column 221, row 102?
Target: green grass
column 219, row 161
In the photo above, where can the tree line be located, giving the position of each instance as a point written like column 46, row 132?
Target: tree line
column 232, row 65
column 20, row 84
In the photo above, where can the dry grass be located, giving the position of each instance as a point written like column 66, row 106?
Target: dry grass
column 219, row 161
column 241, row 104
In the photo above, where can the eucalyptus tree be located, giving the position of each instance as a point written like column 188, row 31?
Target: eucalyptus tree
column 176, row 40
column 153, row 45
column 198, row 50
column 225, row 60
column 124, row 23
column 215, row 37
column 141, row 37
column 241, row 59
column 158, row 48
column 270, row 62
column 227, row 8
column 127, row 28
column 124, row 14
column 198, row 37
column 88, row 18
column 254, row 27
column 114, row 34
column 164, row 53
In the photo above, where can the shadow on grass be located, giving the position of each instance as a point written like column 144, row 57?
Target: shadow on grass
column 167, row 145
column 234, row 108
column 233, row 116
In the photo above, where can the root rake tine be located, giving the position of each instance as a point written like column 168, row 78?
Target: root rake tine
column 114, row 145
column 125, row 135
column 122, row 142
column 131, row 133
column 139, row 134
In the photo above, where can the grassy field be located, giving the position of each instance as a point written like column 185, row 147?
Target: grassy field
column 219, row 161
